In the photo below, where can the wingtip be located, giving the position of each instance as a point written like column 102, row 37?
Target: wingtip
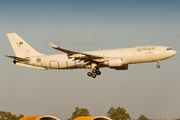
column 52, row 45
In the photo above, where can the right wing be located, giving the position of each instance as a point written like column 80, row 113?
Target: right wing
column 87, row 58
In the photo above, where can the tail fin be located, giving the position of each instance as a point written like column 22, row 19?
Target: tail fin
column 20, row 47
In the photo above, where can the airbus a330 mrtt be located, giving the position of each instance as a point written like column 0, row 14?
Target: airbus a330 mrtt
column 117, row 59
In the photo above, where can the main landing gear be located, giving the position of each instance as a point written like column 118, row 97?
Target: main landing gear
column 158, row 66
column 95, row 70
column 94, row 73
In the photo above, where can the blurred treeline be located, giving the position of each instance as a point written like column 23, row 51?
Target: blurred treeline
column 9, row 116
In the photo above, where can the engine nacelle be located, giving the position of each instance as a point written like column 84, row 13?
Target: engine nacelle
column 115, row 62
column 124, row 67
column 14, row 61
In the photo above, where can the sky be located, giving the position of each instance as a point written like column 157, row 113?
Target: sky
column 84, row 26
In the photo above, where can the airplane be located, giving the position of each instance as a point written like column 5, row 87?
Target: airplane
column 117, row 59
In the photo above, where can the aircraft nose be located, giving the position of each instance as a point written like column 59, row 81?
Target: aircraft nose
column 174, row 52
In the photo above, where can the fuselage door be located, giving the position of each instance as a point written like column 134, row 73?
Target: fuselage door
column 133, row 52
column 157, row 53
column 158, row 49
column 45, row 63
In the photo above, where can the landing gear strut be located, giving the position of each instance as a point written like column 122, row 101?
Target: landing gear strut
column 158, row 66
column 95, row 70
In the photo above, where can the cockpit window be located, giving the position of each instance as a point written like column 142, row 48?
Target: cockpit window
column 169, row 49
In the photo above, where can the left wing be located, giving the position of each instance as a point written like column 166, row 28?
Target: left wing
column 80, row 55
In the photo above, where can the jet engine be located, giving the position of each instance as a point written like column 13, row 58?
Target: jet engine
column 124, row 67
column 114, row 62
column 14, row 61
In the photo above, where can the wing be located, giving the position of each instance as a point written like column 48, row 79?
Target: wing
column 87, row 58
column 19, row 59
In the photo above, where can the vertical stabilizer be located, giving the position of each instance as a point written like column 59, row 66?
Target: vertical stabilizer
column 20, row 47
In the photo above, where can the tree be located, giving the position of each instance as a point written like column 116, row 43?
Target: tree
column 20, row 116
column 8, row 116
column 142, row 117
column 79, row 112
column 118, row 114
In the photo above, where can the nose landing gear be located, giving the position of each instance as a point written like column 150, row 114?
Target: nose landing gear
column 158, row 66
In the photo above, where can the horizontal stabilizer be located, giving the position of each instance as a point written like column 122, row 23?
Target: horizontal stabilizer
column 19, row 59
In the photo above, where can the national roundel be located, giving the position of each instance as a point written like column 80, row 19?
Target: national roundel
column 38, row 60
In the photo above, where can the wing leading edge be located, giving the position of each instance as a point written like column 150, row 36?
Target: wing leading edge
column 80, row 55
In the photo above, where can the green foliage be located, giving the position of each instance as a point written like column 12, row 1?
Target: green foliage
column 8, row 116
column 79, row 112
column 118, row 114
column 142, row 117
column 20, row 116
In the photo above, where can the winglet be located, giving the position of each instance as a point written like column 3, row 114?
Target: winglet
column 52, row 45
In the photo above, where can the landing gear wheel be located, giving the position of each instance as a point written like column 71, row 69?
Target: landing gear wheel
column 94, row 71
column 93, row 75
column 89, row 74
column 158, row 66
column 98, row 72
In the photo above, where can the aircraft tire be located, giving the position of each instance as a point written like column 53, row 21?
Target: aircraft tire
column 98, row 72
column 93, row 75
column 158, row 66
column 89, row 74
